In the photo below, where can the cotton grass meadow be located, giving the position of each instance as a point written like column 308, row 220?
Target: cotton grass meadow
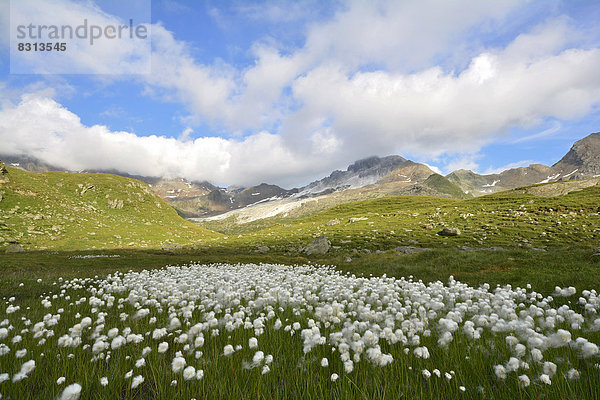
column 276, row 331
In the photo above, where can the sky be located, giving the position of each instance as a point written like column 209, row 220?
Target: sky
column 244, row 92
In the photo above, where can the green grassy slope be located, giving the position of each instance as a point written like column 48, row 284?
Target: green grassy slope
column 58, row 210
column 513, row 219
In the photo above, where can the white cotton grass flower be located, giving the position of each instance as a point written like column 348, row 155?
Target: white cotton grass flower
column 573, row 374
column 265, row 369
column 159, row 333
column 104, row 381
column 21, row 353
column 174, row 382
column 118, row 342
column 545, row 379
column 524, row 381
column 259, row 356
column 589, row 350
column 462, row 389
column 228, row 350
column 334, row 377
column 324, row 362
column 99, row 346
column 426, row 374
column 163, row 347
column 61, row 380
column 178, row 364
column 437, row 373
column 189, row 373
column 112, row 333
column 252, row 343
column 129, row 374
column 421, row 352
column 549, row 368
column 199, row 374
column 137, row 381
column 71, row 392
column 520, row 350
column 500, row 372
column 513, row 364
column 147, row 350
column 26, row 369
column 4, row 377
column 537, row 355
column 140, row 363
column 174, row 324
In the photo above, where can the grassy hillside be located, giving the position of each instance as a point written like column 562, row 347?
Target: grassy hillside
column 512, row 219
column 58, row 210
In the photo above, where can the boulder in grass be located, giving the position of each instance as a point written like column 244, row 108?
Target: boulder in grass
column 596, row 254
column 320, row 245
column 15, row 248
column 449, row 231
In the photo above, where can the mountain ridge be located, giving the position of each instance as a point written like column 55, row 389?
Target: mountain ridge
column 389, row 175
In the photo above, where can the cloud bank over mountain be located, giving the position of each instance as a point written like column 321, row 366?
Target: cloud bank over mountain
column 408, row 78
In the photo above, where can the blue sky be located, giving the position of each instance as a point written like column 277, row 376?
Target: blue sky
column 243, row 92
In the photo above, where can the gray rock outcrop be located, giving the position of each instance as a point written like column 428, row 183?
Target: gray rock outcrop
column 320, row 245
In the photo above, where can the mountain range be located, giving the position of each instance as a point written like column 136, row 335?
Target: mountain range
column 367, row 178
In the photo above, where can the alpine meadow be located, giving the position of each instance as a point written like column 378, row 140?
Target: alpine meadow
column 299, row 200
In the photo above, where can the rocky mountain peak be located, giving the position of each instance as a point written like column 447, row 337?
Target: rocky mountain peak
column 375, row 162
column 584, row 156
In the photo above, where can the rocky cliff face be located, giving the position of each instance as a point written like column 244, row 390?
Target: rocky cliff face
column 361, row 173
column 583, row 159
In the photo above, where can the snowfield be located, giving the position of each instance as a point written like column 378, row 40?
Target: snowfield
column 173, row 329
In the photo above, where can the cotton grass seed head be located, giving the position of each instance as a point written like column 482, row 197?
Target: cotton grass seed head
column 71, row 392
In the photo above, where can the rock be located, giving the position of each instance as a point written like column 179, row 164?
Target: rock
column 348, row 259
column 449, row 231
column 15, row 248
column 466, row 248
column 262, row 249
column 333, row 222
column 115, row 203
column 87, row 189
column 168, row 246
column 318, row 246
column 495, row 248
column 356, row 219
column 407, row 250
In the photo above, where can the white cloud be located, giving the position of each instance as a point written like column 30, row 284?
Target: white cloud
column 425, row 112
column 465, row 161
column 554, row 129
column 42, row 128
column 185, row 135
column 346, row 93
